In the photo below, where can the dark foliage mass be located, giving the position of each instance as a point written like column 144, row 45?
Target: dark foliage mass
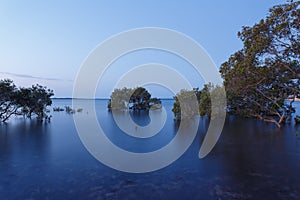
column 266, row 71
column 132, row 99
column 183, row 105
column 23, row 101
column 261, row 76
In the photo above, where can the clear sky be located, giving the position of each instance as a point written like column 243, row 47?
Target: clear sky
column 46, row 41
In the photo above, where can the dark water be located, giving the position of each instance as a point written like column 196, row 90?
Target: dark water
column 252, row 160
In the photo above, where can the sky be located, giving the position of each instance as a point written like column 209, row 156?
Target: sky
column 46, row 42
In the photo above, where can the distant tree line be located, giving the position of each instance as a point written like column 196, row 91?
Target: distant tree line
column 28, row 102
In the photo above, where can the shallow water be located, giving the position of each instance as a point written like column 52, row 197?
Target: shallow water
column 252, row 160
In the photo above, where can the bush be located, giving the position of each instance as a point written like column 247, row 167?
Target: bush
column 132, row 99
column 69, row 110
column 58, row 109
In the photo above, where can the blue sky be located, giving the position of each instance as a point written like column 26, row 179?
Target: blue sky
column 46, row 42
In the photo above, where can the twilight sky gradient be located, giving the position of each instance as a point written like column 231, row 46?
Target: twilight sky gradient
column 46, row 42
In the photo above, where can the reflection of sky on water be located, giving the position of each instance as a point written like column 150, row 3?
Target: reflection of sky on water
column 252, row 159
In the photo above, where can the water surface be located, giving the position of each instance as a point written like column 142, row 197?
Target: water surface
column 252, row 160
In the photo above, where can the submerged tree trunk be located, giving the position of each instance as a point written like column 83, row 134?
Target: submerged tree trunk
column 266, row 119
column 10, row 114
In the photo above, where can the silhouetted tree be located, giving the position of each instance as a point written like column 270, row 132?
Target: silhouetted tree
column 8, row 97
column 140, row 99
column 23, row 101
column 35, row 100
column 131, row 99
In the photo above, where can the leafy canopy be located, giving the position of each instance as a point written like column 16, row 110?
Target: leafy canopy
column 132, row 99
column 23, row 101
column 266, row 71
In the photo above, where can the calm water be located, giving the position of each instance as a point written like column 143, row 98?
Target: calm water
column 252, row 160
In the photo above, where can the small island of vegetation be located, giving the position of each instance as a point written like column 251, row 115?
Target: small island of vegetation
column 135, row 99
column 24, row 101
column 203, row 97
